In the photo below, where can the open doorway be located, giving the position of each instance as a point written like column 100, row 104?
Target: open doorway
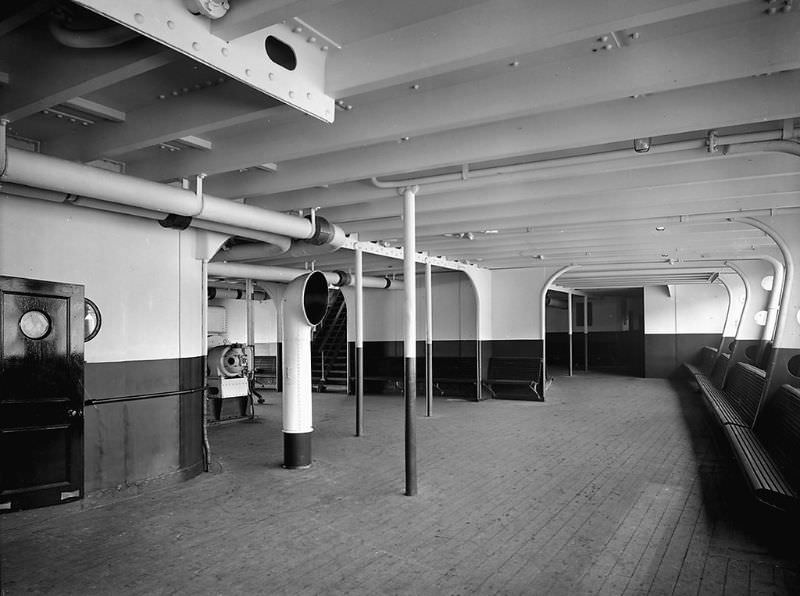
column 612, row 340
column 329, row 347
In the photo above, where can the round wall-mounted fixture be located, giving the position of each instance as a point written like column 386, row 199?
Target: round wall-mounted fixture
column 91, row 320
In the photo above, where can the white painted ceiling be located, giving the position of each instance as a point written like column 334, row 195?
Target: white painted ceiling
column 458, row 86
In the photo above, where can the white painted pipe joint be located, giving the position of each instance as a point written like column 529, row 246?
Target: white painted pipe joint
column 304, row 304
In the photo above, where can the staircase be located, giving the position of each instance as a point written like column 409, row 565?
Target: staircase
column 329, row 347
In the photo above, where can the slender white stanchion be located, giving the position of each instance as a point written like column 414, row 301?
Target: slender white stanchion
column 359, row 267
column 410, row 336
column 428, row 341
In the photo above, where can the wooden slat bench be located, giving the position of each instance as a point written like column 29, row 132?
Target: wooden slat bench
column 737, row 403
column 514, row 378
column 704, row 362
column 766, row 445
column 455, row 376
column 265, row 372
column 769, row 454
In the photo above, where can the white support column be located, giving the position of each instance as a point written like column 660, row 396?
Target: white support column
column 569, row 329
column 410, row 336
column 428, row 341
column 585, row 333
column 359, row 275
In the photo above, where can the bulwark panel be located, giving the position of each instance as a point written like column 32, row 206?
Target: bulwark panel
column 143, row 420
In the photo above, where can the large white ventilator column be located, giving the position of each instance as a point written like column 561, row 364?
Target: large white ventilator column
column 304, row 304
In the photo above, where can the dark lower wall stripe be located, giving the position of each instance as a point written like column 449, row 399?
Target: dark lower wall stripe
column 665, row 353
column 131, row 442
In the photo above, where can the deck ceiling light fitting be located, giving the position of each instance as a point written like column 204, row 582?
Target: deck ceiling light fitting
column 641, row 145
column 660, row 228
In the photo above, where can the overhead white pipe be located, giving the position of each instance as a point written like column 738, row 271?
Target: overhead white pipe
column 294, row 249
column 82, row 39
column 222, row 293
column 287, row 274
column 698, row 144
column 281, row 243
column 51, row 173
column 303, row 305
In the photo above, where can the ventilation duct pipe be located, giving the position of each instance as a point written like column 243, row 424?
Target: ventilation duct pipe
column 304, row 304
column 288, row 274
column 297, row 249
column 234, row 294
column 555, row 302
column 50, row 173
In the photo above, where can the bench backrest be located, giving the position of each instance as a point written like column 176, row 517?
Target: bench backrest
column 778, row 429
column 719, row 369
column 744, row 386
column 454, row 367
column 516, row 368
column 706, row 359
column 265, row 365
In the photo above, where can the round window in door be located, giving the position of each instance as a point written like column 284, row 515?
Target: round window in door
column 35, row 324
column 91, row 320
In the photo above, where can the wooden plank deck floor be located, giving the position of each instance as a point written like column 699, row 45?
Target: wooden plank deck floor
column 615, row 485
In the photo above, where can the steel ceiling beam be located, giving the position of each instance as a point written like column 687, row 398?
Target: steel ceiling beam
column 535, row 197
column 174, row 117
column 737, row 53
column 696, row 108
column 639, row 169
column 66, row 73
column 489, row 32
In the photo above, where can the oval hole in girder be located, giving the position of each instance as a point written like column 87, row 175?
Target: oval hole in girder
column 280, row 53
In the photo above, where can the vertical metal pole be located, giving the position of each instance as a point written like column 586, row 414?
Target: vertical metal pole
column 248, row 289
column 569, row 328
column 428, row 341
column 359, row 342
column 410, row 337
column 251, row 343
column 585, row 333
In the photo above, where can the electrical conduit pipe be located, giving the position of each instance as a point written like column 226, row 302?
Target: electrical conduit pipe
column 304, row 304
column 287, row 274
column 51, row 173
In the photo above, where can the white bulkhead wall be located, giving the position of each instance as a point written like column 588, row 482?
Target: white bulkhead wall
column 145, row 279
column 690, row 309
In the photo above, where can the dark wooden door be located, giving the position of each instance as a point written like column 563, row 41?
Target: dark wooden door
column 41, row 393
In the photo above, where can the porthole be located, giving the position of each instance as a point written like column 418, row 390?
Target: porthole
column 794, row 366
column 91, row 319
column 760, row 318
column 767, row 281
column 35, row 324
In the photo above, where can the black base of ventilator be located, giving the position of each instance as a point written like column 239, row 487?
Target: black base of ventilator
column 296, row 450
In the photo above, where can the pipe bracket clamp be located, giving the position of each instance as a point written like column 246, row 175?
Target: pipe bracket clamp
column 175, row 222
column 323, row 231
